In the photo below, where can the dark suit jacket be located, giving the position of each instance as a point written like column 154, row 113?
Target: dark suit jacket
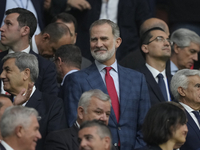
column 38, row 5
column 2, row 147
column 131, row 14
column 66, row 139
column 149, row 148
column 50, row 108
column 193, row 136
column 46, row 81
column 134, row 102
column 155, row 93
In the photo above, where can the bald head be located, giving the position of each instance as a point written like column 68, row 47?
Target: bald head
column 151, row 23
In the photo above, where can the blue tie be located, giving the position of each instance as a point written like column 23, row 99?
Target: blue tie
column 196, row 113
column 162, row 86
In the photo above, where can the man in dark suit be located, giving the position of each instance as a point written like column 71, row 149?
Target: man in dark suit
column 19, row 128
column 127, row 88
column 185, row 86
column 93, row 104
column 156, row 49
column 67, row 60
column 128, row 14
column 19, row 70
column 19, row 27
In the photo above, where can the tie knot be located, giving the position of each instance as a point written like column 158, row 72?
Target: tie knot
column 108, row 69
column 196, row 113
column 160, row 75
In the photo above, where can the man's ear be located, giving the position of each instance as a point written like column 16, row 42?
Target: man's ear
column 118, row 42
column 19, row 131
column 176, row 48
column 80, row 111
column 107, row 142
column 25, row 30
column 181, row 91
column 45, row 37
column 26, row 74
column 144, row 48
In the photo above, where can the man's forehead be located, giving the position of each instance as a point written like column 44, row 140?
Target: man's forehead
column 12, row 17
column 159, row 33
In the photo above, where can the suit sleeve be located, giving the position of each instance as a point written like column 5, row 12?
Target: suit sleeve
column 55, row 141
column 144, row 106
column 57, row 119
column 71, row 96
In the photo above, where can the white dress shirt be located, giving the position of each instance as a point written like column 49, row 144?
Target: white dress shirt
column 173, row 67
column 155, row 73
column 113, row 73
column 109, row 10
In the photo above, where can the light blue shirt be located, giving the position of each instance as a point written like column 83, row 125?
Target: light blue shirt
column 113, row 73
column 173, row 67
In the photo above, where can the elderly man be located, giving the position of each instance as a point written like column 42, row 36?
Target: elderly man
column 19, row 70
column 127, row 88
column 185, row 86
column 184, row 50
column 19, row 128
column 19, row 26
column 156, row 49
column 93, row 104
column 94, row 135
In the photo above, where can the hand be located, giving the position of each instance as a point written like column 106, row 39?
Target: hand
column 21, row 98
column 79, row 4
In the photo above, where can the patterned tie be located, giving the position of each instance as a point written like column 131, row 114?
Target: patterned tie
column 196, row 113
column 162, row 86
column 112, row 92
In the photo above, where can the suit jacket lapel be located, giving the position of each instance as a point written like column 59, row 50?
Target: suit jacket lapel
column 2, row 147
column 124, row 81
column 35, row 99
column 74, row 133
column 95, row 81
column 152, row 83
column 193, row 124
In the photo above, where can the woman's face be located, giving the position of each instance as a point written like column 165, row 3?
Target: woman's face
column 180, row 133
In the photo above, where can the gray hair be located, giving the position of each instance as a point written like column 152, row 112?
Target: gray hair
column 16, row 116
column 102, row 129
column 180, row 79
column 87, row 96
column 23, row 61
column 183, row 37
column 114, row 26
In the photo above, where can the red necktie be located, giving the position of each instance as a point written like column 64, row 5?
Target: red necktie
column 112, row 92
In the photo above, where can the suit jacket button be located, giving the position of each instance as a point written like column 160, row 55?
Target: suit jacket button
column 115, row 144
column 119, row 128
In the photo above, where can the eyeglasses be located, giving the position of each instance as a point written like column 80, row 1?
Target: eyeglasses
column 161, row 39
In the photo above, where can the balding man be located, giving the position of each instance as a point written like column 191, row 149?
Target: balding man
column 135, row 59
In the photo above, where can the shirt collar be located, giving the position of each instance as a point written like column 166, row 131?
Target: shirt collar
column 101, row 67
column 154, row 71
column 6, row 146
column 72, row 71
column 27, row 50
column 188, row 108
column 174, row 68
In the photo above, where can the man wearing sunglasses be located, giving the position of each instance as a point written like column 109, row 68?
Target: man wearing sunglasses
column 156, row 49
